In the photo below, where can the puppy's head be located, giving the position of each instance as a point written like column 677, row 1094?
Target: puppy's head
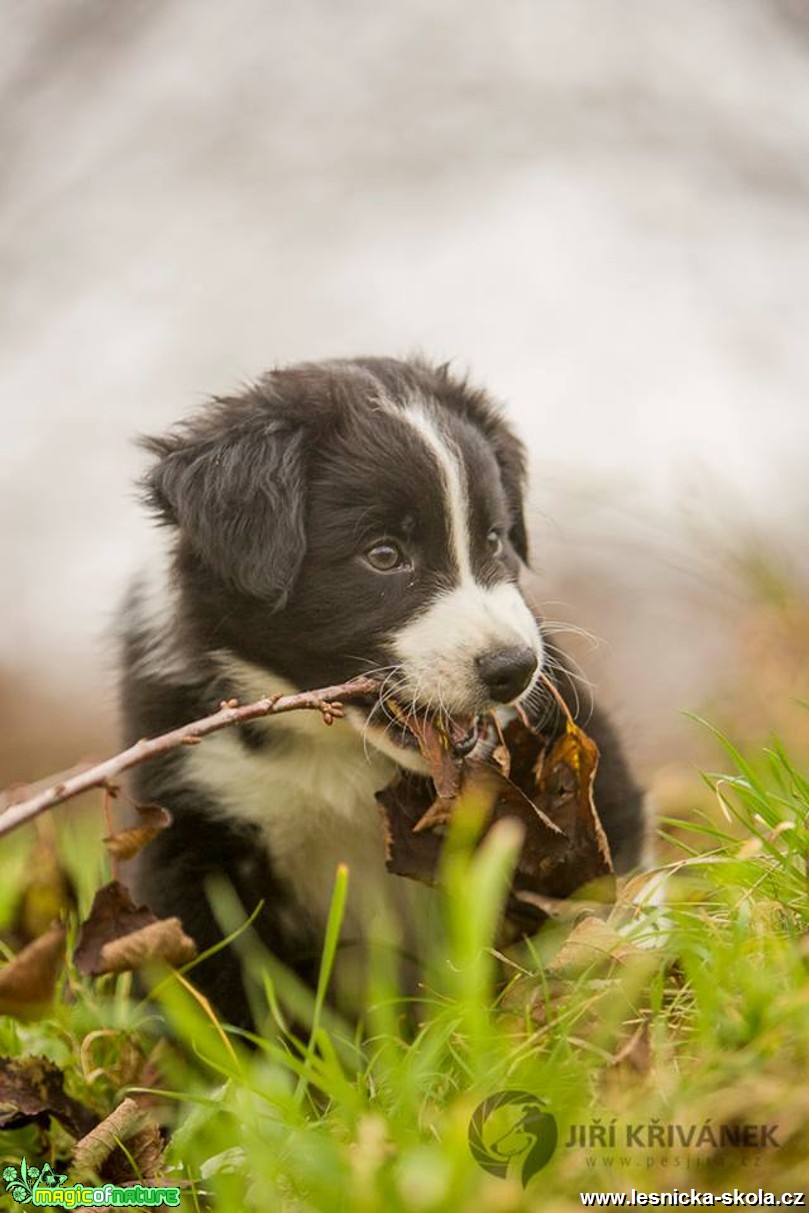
column 352, row 516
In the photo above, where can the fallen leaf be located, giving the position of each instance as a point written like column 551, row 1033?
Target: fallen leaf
column 32, row 1091
column 28, row 982
column 125, row 844
column 439, row 813
column 408, row 853
column 564, row 776
column 545, row 782
column 435, row 745
column 591, row 946
column 119, row 936
column 139, row 1159
column 125, row 1148
column 90, row 1153
column 162, row 940
column 112, row 915
column 500, row 755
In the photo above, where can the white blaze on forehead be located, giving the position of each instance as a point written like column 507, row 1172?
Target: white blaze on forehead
column 439, row 648
column 453, row 476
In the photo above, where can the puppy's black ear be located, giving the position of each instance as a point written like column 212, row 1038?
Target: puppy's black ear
column 236, row 492
column 510, row 455
column 513, row 485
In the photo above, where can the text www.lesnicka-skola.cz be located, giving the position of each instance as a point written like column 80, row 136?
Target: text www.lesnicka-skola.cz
column 692, row 1196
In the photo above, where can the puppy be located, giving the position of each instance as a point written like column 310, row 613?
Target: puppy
column 337, row 518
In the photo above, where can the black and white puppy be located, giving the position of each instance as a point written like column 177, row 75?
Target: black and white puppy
column 336, row 518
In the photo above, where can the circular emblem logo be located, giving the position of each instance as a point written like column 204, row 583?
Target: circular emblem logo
column 511, row 1126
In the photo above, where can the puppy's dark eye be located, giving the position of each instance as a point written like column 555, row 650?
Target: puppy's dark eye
column 385, row 557
column 494, row 543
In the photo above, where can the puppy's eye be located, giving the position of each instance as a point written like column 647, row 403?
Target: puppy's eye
column 385, row 557
column 494, row 543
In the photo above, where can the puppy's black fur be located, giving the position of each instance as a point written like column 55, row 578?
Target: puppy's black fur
column 279, row 505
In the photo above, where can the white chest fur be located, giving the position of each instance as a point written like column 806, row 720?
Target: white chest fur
column 311, row 792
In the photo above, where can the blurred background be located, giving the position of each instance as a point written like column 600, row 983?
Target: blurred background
column 596, row 207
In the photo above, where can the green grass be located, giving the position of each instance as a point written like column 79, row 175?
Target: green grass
column 688, row 1009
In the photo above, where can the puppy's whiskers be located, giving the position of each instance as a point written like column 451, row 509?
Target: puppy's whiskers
column 560, row 627
column 389, row 689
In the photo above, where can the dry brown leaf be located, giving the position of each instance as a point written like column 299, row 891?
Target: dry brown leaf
column 163, row 940
column 32, row 1091
column 152, row 820
column 112, row 914
column 502, row 760
column 408, row 853
column 445, row 769
column 439, row 814
column 548, row 788
column 90, row 1153
column 118, row 936
column 127, row 1152
column 141, row 1160
column 591, row 946
column 28, row 982
column 500, row 755
column 125, row 844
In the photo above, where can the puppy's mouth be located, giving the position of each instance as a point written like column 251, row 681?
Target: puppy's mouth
column 416, row 727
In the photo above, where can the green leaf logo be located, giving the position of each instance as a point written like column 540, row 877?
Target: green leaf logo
column 22, row 1185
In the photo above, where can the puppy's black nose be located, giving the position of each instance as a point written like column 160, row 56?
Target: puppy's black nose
column 507, row 672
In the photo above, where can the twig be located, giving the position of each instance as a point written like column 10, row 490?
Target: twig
column 328, row 701
column 16, row 793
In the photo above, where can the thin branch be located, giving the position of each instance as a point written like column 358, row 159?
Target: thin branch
column 16, row 793
column 328, row 701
